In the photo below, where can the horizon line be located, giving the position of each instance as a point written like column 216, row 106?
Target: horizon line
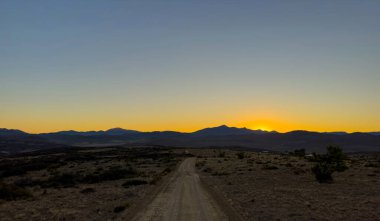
column 150, row 131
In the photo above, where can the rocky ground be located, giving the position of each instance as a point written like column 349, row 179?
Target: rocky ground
column 115, row 183
column 264, row 186
column 88, row 184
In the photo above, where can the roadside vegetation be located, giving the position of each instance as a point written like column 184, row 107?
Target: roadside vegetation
column 104, row 182
column 287, row 186
column 327, row 164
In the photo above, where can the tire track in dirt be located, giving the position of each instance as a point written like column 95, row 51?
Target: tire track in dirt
column 183, row 198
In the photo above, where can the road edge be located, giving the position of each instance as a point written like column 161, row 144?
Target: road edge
column 150, row 195
column 221, row 201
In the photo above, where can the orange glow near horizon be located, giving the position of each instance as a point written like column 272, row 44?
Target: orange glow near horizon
column 265, row 125
column 173, row 112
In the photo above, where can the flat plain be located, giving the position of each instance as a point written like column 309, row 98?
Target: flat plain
column 160, row 183
column 82, row 184
column 270, row 186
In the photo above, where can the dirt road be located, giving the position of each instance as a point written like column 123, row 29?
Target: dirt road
column 182, row 198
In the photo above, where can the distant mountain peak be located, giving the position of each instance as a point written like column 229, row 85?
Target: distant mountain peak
column 224, row 130
column 11, row 132
column 223, row 126
column 119, row 131
column 113, row 132
column 115, row 128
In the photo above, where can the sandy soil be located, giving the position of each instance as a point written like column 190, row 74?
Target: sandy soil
column 265, row 186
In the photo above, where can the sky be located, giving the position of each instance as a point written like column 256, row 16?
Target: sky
column 185, row 65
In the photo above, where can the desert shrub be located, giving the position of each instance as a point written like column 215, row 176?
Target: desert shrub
column 155, row 179
column 22, row 165
column 323, row 172
column 167, row 159
column 200, row 164
column 13, row 192
column 336, row 157
column 88, row 190
column 13, row 171
column 298, row 152
column 79, row 157
column 27, row 182
column 298, row 171
column 240, row 155
column 55, row 180
column 371, row 164
column 270, row 167
column 167, row 170
column 222, row 154
column 19, row 167
column 113, row 173
column 220, row 173
column 134, row 182
column 328, row 163
column 207, row 170
column 120, row 208
column 289, row 165
column 159, row 176
column 61, row 180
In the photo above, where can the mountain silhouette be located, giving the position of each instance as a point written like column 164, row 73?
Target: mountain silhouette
column 113, row 132
column 119, row 131
column 224, row 130
column 11, row 132
column 12, row 141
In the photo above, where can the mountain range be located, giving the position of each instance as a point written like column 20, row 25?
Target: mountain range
column 14, row 141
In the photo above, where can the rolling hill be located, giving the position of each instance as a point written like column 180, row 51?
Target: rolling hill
column 222, row 136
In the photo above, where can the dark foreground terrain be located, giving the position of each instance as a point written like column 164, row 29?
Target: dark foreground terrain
column 84, row 184
column 264, row 186
column 156, row 183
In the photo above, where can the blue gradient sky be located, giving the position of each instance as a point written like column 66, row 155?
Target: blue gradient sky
column 184, row 65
